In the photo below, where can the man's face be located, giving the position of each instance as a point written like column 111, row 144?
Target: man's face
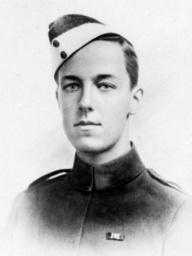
column 94, row 96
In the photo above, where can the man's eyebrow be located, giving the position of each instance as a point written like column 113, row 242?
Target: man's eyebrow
column 103, row 76
column 71, row 77
column 96, row 79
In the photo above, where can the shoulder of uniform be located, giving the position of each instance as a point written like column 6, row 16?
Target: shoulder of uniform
column 50, row 177
column 154, row 175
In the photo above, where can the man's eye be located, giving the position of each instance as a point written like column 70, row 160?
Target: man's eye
column 71, row 87
column 106, row 86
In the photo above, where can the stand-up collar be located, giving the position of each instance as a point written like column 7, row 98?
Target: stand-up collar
column 119, row 171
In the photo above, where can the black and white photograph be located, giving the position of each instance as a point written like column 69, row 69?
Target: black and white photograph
column 96, row 128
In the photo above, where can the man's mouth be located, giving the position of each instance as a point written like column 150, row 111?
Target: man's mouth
column 85, row 123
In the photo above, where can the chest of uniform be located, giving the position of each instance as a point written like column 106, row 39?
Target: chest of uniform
column 101, row 223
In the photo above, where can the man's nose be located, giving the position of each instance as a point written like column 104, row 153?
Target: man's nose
column 85, row 103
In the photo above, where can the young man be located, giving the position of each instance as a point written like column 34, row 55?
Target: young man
column 109, row 203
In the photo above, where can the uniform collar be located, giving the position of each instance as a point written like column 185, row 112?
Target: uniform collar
column 119, row 171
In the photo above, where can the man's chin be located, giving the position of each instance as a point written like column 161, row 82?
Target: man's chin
column 93, row 147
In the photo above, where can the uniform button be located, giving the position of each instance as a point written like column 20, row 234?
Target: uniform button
column 55, row 43
column 63, row 54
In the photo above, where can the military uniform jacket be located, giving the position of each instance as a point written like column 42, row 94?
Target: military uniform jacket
column 64, row 213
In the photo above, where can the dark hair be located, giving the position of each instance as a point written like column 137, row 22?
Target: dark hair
column 131, row 60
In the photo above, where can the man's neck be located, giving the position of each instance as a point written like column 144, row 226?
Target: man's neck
column 98, row 158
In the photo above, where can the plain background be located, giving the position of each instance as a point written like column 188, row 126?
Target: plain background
column 32, row 141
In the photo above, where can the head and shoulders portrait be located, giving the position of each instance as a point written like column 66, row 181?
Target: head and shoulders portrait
column 109, row 202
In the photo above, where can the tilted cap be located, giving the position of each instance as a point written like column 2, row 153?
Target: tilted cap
column 71, row 32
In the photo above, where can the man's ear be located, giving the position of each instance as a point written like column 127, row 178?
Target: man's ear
column 136, row 97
